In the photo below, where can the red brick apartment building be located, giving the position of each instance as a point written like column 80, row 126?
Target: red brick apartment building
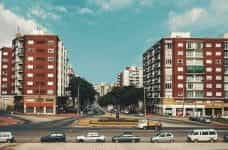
column 186, row 76
column 39, row 72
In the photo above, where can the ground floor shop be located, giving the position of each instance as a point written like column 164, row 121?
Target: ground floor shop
column 39, row 105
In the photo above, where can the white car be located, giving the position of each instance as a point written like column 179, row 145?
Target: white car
column 91, row 137
column 163, row 138
column 7, row 137
column 203, row 135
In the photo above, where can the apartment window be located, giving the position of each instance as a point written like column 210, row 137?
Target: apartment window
column 180, row 85
column 180, row 77
column 208, row 77
column 4, row 79
column 218, row 53
column 218, row 61
column 4, row 92
column 180, row 44
column 218, row 93
column 225, row 61
column 29, row 91
column 208, row 53
column 30, row 66
column 190, row 85
column 50, row 92
column 218, row 69
column 50, row 75
column 225, row 53
column 180, row 61
column 218, row 77
column 30, row 58
column 180, row 53
column 180, row 69
column 50, row 66
column 50, row 59
column 5, row 53
column 29, row 83
column 51, row 42
column 218, row 45
column 168, row 45
column 209, row 85
column 51, row 50
column 209, row 69
column 168, row 61
column 4, row 66
column 209, row 94
column 30, row 42
column 30, row 75
column 218, row 86
column 50, row 83
column 226, row 45
column 208, row 61
column 208, row 45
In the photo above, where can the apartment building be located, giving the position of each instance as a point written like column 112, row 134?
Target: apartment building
column 184, row 76
column 40, row 71
column 131, row 76
column 103, row 88
column 6, row 78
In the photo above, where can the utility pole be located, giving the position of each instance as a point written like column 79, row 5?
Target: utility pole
column 78, row 98
column 144, row 101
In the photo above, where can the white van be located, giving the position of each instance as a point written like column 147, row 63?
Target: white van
column 203, row 135
column 7, row 137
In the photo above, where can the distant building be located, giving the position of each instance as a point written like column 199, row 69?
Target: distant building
column 131, row 76
column 103, row 88
column 187, row 76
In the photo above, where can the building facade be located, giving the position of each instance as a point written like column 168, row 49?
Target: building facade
column 40, row 71
column 186, row 76
column 103, row 88
column 131, row 76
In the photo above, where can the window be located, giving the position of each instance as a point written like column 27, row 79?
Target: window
column 180, row 77
column 168, row 45
column 208, row 45
column 50, row 66
column 29, row 91
column 218, row 69
column 180, row 69
column 218, row 77
column 30, row 66
column 180, row 53
column 208, row 77
column 218, row 94
column 29, row 83
column 218, row 61
column 5, row 53
column 50, row 59
column 30, row 75
column 209, row 69
column 51, row 42
column 30, row 42
column 168, row 85
column 218, row 53
column 218, row 45
column 226, row 45
column 180, row 44
column 204, row 133
column 30, row 58
column 209, row 85
column 168, row 61
column 180, row 85
column 50, row 83
column 4, row 79
column 209, row 94
column 50, row 75
column 4, row 66
column 50, row 92
column 225, row 61
column 51, row 50
column 218, row 86
column 208, row 53
column 208, row 61
column 180, row 61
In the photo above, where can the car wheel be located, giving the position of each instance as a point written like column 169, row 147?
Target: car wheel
column 133, row 141
column 80, row 141
column 195, row 141
column 116, row 141
column 212, row 140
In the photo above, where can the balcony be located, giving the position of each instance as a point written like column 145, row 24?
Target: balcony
column 195, row 69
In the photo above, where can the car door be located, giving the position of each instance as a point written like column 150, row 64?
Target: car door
column 205, row 136
column 162, row 138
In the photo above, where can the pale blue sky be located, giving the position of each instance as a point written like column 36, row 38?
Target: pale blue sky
column 104, row 36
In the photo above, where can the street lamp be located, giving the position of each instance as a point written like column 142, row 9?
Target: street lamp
column 144, row 101
column 78, row 98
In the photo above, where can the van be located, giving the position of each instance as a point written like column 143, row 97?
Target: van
column 203, row 135
column 7, row 137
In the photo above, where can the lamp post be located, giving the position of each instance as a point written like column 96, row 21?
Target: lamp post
column 144, row 101
column 78, row 98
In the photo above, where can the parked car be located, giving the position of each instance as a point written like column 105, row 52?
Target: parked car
column 163, row 138
column 126, row 137
column 203, row 135
column 91, row 137
column 225, row 138
column 54, row 137
column 7, row 137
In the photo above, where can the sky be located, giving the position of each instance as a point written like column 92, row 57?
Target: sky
column 105, row 36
